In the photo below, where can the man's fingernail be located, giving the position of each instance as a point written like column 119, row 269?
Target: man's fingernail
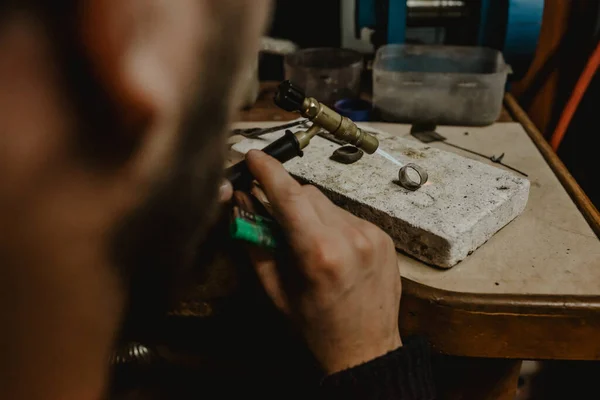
column 225, row 191
column 256, row 154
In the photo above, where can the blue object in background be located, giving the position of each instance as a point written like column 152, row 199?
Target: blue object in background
column 522, row 33
column 365, row 15
column 511, row 26
column 357, row 110
column 396, row 19
column 396, row 22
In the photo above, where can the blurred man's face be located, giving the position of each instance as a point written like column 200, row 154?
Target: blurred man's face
column 113, row 126
column 159, row 239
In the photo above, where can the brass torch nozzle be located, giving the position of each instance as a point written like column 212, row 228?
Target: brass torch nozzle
column 291, row 98
column 341, row 127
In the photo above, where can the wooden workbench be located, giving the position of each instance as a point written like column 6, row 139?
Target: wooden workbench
column 531, row 292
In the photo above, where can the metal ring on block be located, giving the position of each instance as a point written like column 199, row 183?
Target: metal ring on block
column 407, row 182
column 347, row 155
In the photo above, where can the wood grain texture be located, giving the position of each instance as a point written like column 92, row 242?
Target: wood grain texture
column 502, row 326
column 583, row 202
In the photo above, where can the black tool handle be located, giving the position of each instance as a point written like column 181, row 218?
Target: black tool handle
column 289, row 96
column 283, row 149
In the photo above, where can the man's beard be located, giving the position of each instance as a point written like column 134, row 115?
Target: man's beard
column 156, row 245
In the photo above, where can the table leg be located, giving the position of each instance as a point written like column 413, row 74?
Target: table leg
column 461, row 378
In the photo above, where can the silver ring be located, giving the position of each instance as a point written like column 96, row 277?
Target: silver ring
column 407, row 182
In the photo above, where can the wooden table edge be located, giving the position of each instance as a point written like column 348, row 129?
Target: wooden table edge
column 502, row 325
column 531, row 304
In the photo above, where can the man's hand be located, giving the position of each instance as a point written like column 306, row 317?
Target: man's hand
column 342, row 287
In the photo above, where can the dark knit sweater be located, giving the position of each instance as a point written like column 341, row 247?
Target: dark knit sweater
column 404, row 374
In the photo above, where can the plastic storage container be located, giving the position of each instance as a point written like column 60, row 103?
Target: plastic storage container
column 441, row 84
column 328, row 74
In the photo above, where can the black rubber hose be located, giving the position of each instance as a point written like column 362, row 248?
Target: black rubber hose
column 283, row 149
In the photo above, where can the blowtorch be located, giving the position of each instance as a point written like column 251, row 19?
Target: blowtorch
column 291, row 98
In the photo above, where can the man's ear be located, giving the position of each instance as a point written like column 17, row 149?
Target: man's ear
column 122, row 41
